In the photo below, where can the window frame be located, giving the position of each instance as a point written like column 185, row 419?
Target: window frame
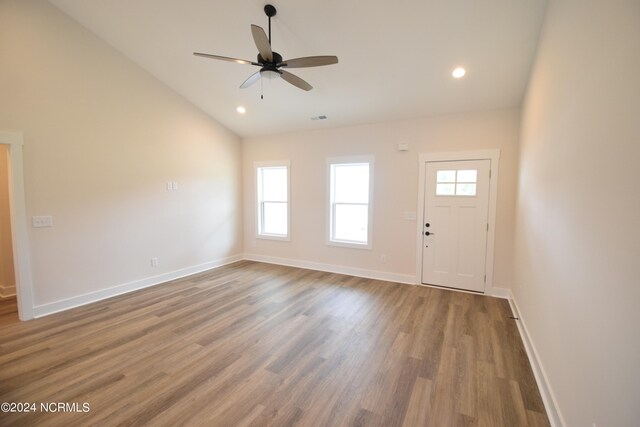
column 330, row 206
column 258, row 206
column 456, row 182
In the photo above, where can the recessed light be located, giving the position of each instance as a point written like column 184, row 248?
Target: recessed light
column 241, row 109
column 459, row 72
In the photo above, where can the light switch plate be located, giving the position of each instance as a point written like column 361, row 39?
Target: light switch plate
column 410, row 216
column 42, row 221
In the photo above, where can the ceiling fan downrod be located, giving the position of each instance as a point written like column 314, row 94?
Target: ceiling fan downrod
column 270, row 10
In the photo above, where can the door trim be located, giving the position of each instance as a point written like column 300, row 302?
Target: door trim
column 19, row 229
column 494, row 157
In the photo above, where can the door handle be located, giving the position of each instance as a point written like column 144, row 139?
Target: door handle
column 428, row 233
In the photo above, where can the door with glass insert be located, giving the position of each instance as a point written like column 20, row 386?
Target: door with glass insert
column 455, row 230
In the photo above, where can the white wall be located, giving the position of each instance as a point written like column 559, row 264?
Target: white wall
column 102, row 138
column 395, row 186
column 578, row 210
column 7, row 276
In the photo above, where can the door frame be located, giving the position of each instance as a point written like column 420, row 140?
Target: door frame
column 454, row 156
column 19, row 229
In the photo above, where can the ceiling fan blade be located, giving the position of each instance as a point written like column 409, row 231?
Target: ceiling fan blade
column 251, row 80
column 295, row 80
column 225, row 58
column 262, row 43
column 309, row 61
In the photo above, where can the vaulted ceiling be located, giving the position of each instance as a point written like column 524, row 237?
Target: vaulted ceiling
column 395, row 57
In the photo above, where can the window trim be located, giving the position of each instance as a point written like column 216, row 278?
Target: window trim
column 370, row 159
column 455, row 184
column 258, row 205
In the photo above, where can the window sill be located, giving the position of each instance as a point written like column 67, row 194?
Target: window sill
column 349, row 244
column 273, row 237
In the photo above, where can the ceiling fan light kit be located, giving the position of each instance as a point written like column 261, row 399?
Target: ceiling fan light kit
column 270, row 62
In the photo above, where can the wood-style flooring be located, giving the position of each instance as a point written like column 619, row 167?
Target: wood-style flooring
column 254, row 344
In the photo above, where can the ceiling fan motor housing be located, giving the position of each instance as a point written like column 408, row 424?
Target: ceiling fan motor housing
column 270, row 70
column 277, row 59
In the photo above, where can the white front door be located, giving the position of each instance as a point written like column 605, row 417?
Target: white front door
column 454, row 237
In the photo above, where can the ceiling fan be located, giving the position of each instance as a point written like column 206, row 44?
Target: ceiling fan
column 271, row 62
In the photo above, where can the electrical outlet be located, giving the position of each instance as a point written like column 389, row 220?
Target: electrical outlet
column 42, row 221
column 154, row 261
column 383, row 259
column 174, row 185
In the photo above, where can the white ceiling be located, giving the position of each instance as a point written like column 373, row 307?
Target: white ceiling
column 395, row 57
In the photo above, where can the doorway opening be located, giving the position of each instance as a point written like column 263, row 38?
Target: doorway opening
column 12, row 145
column 8, row 302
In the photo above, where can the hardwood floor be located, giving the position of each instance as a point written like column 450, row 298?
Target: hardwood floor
column 253, row 344
column 8, row 311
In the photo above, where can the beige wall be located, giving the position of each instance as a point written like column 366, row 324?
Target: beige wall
column 102, row 138
column 578, row 210
column 395, row 186
column 7, row 276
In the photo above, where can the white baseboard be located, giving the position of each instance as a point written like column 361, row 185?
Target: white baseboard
column 7, row 291
column 66, row 304
column 499, row 293
column 360, row 272
column 332, row 268
column 548, row 398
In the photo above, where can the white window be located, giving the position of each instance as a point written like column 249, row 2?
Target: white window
column 350, row 190
column 461, row 182
column 272, row 200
